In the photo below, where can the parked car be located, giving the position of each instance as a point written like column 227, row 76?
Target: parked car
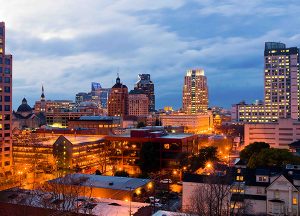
column 152, row 200
column 179, row 182
column 166, row 181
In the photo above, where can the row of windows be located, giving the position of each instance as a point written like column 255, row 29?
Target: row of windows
column 6, row 61
column 6, row 98
column 6, row 108
column 6, row 79
column 6, row 70
column 6, row 89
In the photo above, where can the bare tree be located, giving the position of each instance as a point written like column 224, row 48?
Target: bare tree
column 214, row 197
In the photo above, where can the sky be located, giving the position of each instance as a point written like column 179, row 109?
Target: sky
column 65, row 45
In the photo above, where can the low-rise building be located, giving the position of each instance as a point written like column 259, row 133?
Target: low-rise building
column 126, row 148
column 196, row 123
column 278, row 134
column 102, row 125
column 261, row 191
column 61, row 151
column 113, row 187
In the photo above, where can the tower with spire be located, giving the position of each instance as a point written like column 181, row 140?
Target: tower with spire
column 43, row 100
column 118, row 99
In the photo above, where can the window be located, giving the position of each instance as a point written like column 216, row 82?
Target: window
column 1, row 70
column 259, row 190
column 6, row 163
column 295, row 201
column 7, row 70
column 6, row 117
column 6, row 148
column 276, row 194
column 7, row 98
column 238, row 170
column 7, row 61
column 6, row 108
column 240, row 178
column 6, row 79
column 6, row 126
column 7, row 89
column 1, row 59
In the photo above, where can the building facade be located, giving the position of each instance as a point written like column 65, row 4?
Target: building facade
column 195, row 92
column 281, row 87
column 118, row 100
column 196, row 123
column 103, row 125
column 5, row 105
column 147, row 86
column 126, row 148
column 138, row 103
column 278, row 134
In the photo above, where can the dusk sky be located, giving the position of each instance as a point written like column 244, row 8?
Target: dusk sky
column 68, row 44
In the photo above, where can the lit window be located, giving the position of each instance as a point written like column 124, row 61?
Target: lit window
column 295, row 201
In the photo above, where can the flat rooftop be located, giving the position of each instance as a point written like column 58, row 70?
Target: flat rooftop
column 74, row 139
column 108, row 182
column 97, row 118
column 167, row 136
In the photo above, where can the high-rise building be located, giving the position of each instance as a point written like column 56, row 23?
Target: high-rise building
column 118, row 99
column 145, row 84
column 281, row 80
column 6, row 105
column 281, row 87
column 195, row 92
column 138, row 103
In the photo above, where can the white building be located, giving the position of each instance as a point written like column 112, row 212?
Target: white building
column 269, row 191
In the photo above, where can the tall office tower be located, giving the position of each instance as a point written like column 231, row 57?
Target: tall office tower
column 118, row 99
column 195, row 92
column 138, row 103
column 5, row 105
column 145, row 84
column 281, row 80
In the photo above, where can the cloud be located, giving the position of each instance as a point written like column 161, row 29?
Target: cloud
column 68, row 44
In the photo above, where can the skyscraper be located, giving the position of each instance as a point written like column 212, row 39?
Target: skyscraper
column 147, row 86
column 281, row 80
column 195, row 92
column 118, row 99
column 6, row 104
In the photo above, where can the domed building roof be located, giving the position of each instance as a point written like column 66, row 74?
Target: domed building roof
column 119, row 84
column 24, row 107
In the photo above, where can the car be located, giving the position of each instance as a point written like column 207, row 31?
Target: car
column 179, row 182
column 157, row 205
column 152, row 200
column 166, row 181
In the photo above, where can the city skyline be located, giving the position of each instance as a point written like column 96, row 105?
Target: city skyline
column 128, row 39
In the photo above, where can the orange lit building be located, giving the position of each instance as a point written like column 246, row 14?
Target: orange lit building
column 126, row 148
column 118, row 100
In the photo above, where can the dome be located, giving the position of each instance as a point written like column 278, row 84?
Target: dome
column 24, row 107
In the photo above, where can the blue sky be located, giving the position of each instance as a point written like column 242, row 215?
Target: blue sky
column 68, row 44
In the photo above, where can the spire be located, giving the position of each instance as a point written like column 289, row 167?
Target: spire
column 42, row 95
column 118, row 79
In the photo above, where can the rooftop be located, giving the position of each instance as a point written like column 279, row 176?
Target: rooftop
column 97, row 118
column 110, row 182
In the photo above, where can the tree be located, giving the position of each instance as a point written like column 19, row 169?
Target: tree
column 149, row 157
column 141, row 125
column 214, row 197
column 272, row 157
column 122, row 173
column 209, row 153
column 253, row 148
column 211, row 198
column 98, row 172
